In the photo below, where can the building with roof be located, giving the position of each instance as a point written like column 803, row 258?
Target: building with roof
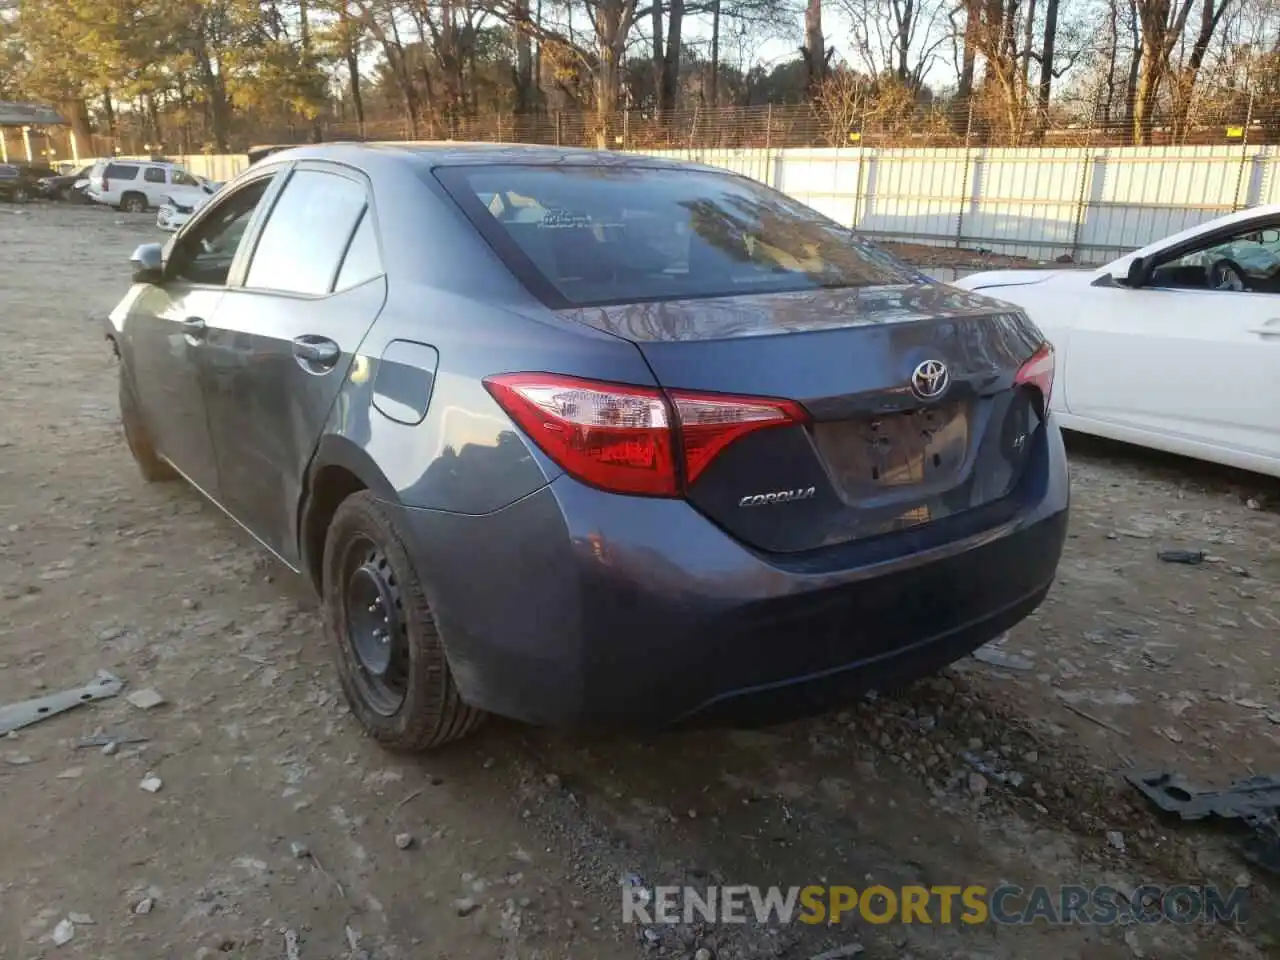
column 22, row 117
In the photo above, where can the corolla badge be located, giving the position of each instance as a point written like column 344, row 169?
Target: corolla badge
column 777, row 496
column 930, row 379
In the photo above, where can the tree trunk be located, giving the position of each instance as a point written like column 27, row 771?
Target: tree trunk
column 903, row 41
column 715, row 54
column 1135, row 62
column 1187, row 75
column 815, row 46
column 109, row 112
column 969, row 61
column 659, row 61
column 669, row 89
column 524, row 58
column 352, row 57
column 1028, row 37
column 1046, row 56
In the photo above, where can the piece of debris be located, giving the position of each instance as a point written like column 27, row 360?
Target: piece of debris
column 15, row 716
column 988, row 771
column 144, row 906
column 109, row 749
column 1170, row 732
column 1134, row 944
column 1253, row 504
column 71, row 773
column 404, row 841
column 80, row 919
column 17, row 759
column 291, row 945
column 1189, row 557
column 703, row 954
column 1116, row 839
column 977, row 784
column 1254, row 800
column 107, row 740
column 993, row 656
column 151, row 783
column 465, row 906
column 63, row 933
column 299, row 850
column 839, row 953
column 145, row 699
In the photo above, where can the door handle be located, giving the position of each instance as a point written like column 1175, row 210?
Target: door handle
column 313, row 352
column 193, row 329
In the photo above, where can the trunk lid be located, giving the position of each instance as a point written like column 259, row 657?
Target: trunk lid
column 878, row 455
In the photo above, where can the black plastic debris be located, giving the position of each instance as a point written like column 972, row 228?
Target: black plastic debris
column 1255, row 801
column 1191, row 558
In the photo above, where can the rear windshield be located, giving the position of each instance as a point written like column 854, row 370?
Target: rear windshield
column 593, row 235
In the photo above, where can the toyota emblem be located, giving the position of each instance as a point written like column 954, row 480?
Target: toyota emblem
column 930, row 380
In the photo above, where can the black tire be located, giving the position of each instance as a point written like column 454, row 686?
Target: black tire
column 154, row 470
column 133, row 203
column 362, row 542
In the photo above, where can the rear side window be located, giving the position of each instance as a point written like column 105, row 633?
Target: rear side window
column 362, row 262
column 121, row 171
column 593, row 235
column 153, row 175
column 307, row 233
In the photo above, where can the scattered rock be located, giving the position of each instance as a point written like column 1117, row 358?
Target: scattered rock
column 299, row 850
column 703, row 954
column 1253, row 504
column 17, row 759
column 63, row 933
column 977, row 784
column 110, row 748
column 552, row 781
column 151, row 783
column 465, row 906
column 144, row 906
column 80, row 919
column 404, row 841
column 71, row 773
column 839, row 953
column 1116, row 839
column 145, row 699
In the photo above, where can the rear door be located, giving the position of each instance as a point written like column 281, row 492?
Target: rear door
column 283, row 339
column 155, row 184
column 167, row 325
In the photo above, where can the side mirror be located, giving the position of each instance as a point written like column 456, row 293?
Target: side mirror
column 148, row 263
column 1137, row 274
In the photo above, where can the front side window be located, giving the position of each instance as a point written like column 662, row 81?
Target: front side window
column 588, row 235
column 1246, row 262
column 205, row 254
column 121, row 171
column 153, row 175
column 307, row 233
column 183, row 179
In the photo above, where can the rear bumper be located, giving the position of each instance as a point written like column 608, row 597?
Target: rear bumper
column 574, row 607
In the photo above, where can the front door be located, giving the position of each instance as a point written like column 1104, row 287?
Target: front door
column 281, row 343
column 1193, row 354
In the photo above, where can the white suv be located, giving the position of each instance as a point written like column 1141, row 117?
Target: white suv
column 134, row 185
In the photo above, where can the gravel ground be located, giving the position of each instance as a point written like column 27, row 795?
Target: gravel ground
column 277, row 830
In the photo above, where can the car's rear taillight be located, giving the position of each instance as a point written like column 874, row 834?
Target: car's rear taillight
column 626, row 439
column 1038, row 372
column 105, row 184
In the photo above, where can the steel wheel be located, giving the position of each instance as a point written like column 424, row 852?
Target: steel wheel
column 375, row 630
column 134, row 204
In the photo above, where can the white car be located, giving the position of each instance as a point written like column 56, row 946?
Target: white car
column 134, row 185
column 1175, row 346
column 183, row 200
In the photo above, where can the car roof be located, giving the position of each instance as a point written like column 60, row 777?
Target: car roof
column 455, row 153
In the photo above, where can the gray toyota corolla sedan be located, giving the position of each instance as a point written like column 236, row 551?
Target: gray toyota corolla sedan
column 592, row 439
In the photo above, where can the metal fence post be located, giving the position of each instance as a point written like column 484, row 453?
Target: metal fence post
column 1244, row 153
column 1082, row 195
column 964, row 180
